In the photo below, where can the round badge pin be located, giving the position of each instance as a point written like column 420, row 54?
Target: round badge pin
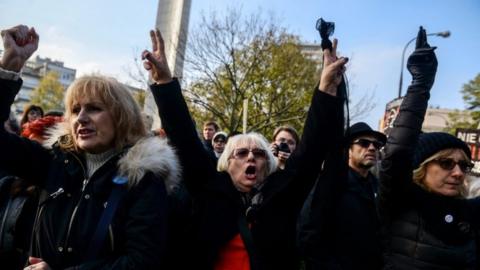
column 449, row 218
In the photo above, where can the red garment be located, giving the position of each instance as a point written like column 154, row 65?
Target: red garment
column 233, row 256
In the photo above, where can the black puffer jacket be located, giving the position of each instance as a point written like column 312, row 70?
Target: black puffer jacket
column 218, row 207
column 422, row 230
column 68, row 215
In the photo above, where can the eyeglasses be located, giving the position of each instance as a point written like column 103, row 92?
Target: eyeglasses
column 450, row 163
column 365, row 143
column 241, row 153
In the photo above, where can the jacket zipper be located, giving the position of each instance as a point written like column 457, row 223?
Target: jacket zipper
column 39, row 213
column 112, row 242
column 85, row 183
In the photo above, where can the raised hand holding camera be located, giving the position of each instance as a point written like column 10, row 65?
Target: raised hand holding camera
column 333, row 67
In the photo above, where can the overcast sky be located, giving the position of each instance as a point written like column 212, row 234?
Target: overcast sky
column 102, row 36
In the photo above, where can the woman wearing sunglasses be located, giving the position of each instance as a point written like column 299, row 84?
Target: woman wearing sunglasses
column 429, row 223
column 245, row 213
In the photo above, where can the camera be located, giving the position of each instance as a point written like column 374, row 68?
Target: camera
column 283, row 147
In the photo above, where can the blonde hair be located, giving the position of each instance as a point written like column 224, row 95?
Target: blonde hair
column 420, row 173
column 252, row 137
column 124, row 110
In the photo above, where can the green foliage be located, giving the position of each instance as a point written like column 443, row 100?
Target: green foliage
column 471, row 96
column 459, row 119
column 140, row 98
column 235, row 59
column 49, row 93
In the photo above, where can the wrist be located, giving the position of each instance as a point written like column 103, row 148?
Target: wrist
column 331, row 90
column 163, row 81
column 8, row 74
column 12, row 65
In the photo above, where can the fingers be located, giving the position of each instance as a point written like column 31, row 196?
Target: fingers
column 34, row 260
column 154, row 40
column 150, row 60
column 19, row 33
column 8, row 40
column 34, row 37
column 146, row 55
column 339, row 65
column 334, row 48
column 421, row 41
column 157, row 40
column 147, row 65
column 161, row 44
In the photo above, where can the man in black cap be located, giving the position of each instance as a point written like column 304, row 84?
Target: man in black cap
column 358, row 226
column 351, row 240
column 364, row 145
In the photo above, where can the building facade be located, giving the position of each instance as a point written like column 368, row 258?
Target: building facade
column 33, row 72
column 437, row 119
column 313, row 51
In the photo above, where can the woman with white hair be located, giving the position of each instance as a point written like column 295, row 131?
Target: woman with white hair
column 245, row 213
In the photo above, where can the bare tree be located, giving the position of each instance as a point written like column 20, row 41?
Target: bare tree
column 238, row 57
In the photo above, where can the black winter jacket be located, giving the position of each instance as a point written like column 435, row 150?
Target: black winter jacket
column 352, row 240
column 422, row 230
column 70, row 211
column 18, row 204
column 218, row 207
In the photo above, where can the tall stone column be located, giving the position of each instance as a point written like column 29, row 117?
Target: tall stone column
column 172, row 21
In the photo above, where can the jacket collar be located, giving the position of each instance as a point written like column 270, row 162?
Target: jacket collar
column 356, row 182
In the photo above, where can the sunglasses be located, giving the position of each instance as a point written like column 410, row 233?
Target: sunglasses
column 241, row 153
column 365, row 143
column 450, row 163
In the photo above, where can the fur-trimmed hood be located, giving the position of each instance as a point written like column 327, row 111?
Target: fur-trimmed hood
column 150, row 154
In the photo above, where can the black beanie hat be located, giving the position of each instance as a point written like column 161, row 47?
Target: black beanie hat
column 430, row 143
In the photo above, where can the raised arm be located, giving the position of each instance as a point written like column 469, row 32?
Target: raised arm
column 176, row 119
column 20, row 157
column 396, row 167
column 323, row 126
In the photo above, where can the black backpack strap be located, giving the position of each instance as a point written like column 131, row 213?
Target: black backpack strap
column 247, row 238
column 118, row 191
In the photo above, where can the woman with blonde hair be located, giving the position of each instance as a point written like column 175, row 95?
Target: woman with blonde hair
column 429, row 223
column 105, row 182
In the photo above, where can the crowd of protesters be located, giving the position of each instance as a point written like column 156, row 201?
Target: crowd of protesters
column 95, row 188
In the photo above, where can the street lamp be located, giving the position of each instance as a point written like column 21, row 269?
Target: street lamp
column 444, row 34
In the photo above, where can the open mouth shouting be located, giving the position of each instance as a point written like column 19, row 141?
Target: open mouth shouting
column 251, row 173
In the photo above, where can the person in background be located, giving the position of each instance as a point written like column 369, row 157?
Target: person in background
column 37, row 129
column 353, row 240
column 32, row 112
column 18, row 204
column 105, row 182
column 285, row 140
column 219, row 140
column 209, row 129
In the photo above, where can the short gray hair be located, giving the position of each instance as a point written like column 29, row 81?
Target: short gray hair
column 251, row 137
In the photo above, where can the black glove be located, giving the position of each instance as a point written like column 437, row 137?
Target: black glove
column 422, row 63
